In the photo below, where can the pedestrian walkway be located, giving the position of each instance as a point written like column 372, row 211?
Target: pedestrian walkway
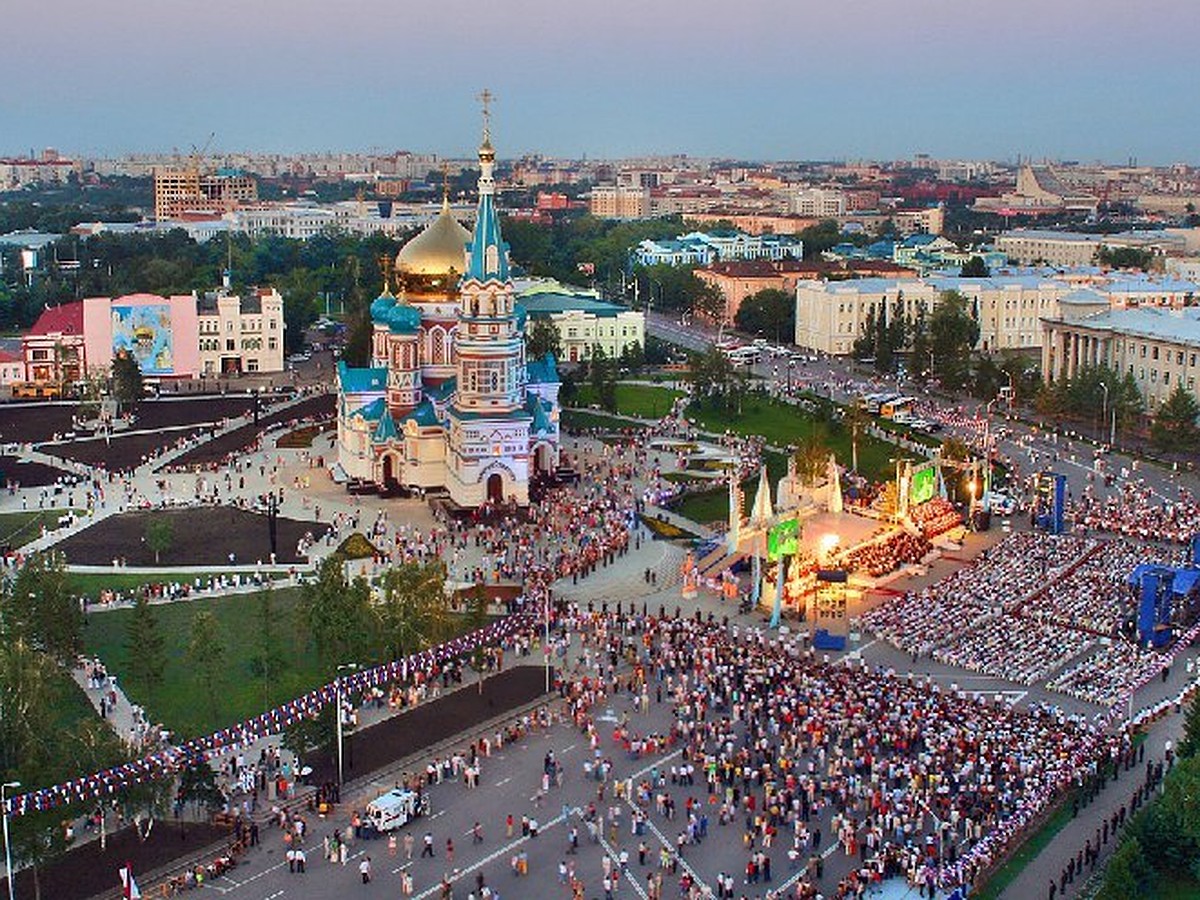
column 1046, row 868
column 113, row 706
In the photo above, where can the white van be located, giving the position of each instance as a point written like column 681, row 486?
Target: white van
column 396, row 808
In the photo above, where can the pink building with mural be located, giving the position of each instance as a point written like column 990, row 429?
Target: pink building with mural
column 182, row 336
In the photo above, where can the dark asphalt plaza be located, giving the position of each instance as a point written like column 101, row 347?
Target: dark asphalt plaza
column 510, row 784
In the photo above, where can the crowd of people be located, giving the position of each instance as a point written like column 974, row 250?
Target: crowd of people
column 880, row 557
column 935, row 517
column 1002, row 577
column 1134, row 511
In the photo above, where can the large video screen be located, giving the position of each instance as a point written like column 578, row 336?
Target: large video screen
column 783, row 540
column 144, row 332
column 923, row 487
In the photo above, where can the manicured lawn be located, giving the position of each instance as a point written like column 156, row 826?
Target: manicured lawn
column 580, row 419
column 180, row 702
column 19, row 528
column 783, row 424
column 639, row 400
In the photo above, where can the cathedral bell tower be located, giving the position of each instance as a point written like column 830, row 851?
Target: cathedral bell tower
column 489, row 339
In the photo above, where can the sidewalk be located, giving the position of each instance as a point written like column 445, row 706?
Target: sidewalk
column 1034, row 880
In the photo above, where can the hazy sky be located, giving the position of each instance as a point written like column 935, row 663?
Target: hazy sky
column 765, row 79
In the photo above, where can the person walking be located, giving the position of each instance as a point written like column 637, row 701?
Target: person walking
column 427, row 850
column 364, row 869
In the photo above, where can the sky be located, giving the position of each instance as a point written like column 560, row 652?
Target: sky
column 746, row 79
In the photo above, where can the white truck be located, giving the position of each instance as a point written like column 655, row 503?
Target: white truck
column 396, row 808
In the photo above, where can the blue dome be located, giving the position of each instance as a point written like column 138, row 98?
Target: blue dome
column 381, row 306
column 403, row 318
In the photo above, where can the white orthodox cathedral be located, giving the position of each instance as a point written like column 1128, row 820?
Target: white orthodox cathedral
column 449, row 400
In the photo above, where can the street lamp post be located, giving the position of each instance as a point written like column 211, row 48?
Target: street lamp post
column 987, row 445
column 338, row 716
column 8, row 868
column 1104, row 413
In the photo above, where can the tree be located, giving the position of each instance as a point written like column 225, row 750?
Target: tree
column 29, row 694
column 768, row 313
column 975, row 267
column 198, row 785
column 953, row 333
column 1174, row 427
column 1189, row 744
column 126, row 379
column 856, row 417
column 335, row 614
column 715, row 380
column 602, row 373
column 542, row 337
column 1127, row 872
column 160, row 535
column 40, row 608
column 206, row 653
column 812, row 456
column 414, row 613
column 633, row 357
column 145, row 647
column 1124, row 258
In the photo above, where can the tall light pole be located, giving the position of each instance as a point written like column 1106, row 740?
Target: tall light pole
column 987, row 445
column 8, row 869
column 338, row 718
column 1104, row 413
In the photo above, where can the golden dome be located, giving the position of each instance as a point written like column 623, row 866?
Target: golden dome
column 436, row 250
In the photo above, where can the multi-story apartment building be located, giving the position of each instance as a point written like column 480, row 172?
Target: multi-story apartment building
column 1031, row 246
column 1009, row 308
column 49, row 168
column 186, row 190
column 830, row 316
column 823, row 203
column 614, row 201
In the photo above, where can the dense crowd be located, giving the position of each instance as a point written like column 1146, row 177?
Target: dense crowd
column 1134, row 511
column 1003, row 576
column 876, row 558
column 935, row 517
column 800, row 754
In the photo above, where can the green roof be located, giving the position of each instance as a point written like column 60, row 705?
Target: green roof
column 386, row 430
column 361, row 380
column 424, row 415
column 553, row 303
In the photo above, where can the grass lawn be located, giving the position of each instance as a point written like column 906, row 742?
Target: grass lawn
column 90, row 584
column 578, row 418
column 639, row 400
column 712, row 506
column 782, row 424
column 1026, row 853
column 19, row 528
column 180, row 702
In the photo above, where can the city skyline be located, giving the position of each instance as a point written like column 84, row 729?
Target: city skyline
column 779, row 81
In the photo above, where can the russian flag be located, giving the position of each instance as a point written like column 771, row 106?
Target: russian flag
column 129, row 888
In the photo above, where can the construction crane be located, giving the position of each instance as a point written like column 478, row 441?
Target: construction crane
column 197, row 156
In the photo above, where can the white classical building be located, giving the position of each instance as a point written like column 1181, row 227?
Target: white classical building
column 830, row 315
column 583, row 320
column 449, row 401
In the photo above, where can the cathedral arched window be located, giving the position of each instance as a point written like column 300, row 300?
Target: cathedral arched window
column 437, row 338
column 493, row 258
